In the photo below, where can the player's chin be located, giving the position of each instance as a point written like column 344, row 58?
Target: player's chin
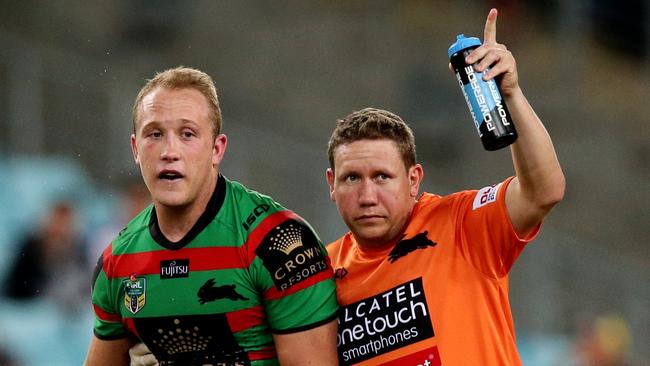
column 371, row 233
column 170, row 199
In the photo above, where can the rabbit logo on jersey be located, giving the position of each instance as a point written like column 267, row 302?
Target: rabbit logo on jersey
column 384, row 322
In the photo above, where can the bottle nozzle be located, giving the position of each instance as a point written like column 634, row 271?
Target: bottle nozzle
column 463, row 42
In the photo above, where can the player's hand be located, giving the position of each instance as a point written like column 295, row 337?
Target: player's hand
column 140, row 355
column 496, row 57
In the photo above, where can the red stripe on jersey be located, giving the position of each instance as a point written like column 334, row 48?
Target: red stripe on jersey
column 273, row 293
column 257, row 235
column 107, row 317
column 130, row 325
column 201, row 259
column 106, row 259
column 243, row 319
column 262, row 354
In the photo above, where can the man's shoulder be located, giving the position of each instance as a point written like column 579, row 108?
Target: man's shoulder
column 343, row 240
column 336, row 249
column 471, row 193
column 430, row 201
column 138, row 225
column 264, row 221
column 427, row 198
column 247, row 198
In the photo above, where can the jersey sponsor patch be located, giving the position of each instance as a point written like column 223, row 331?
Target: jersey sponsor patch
column 175, row 268
column 135, row 291
column 191, row 340
column 382, row 323
column 485, row 195
column 291, row 253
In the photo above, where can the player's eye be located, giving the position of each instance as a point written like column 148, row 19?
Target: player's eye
column 351, row 178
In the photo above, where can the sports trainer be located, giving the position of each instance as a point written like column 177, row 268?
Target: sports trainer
column 423, row 279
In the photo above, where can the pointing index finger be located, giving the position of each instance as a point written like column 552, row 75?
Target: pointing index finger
column 490, row 32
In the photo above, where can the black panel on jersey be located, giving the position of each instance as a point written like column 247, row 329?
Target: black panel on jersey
column 98, row 268
column 291, row 253
column 191, row 340
column 211, row 211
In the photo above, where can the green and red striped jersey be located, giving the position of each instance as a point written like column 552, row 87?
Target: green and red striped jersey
column 247, row 269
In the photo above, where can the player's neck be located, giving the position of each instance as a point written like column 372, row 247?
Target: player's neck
column 375, row 246
column 176, row 221
column 378, row 245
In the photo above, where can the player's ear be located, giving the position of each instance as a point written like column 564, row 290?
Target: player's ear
column 219, row 149
column 329, row 175
column 134, row 149
column 415, row 175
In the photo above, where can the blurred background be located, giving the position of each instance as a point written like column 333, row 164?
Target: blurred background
column 285, row 71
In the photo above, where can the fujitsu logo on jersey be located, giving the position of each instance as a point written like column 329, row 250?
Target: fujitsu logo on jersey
column 174, row 268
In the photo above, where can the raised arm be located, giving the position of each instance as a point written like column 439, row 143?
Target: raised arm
column 313, row 347
column 539, row 182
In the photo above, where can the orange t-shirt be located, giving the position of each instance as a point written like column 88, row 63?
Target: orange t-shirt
column 440, row 295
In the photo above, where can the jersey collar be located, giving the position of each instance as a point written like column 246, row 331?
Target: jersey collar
column 211, row 211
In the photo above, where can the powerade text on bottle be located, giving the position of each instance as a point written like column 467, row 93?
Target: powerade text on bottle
column 489, row 111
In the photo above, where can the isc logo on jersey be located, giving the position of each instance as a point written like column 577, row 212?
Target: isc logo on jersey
column 485, row 195
column 134, row 293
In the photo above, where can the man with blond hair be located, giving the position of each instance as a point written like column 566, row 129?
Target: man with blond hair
column 212, row 272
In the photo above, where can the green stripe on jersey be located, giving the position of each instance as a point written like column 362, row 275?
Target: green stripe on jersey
column 249, row 266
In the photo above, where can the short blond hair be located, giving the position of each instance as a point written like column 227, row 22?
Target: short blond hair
column 179, row 78
column 374, row 124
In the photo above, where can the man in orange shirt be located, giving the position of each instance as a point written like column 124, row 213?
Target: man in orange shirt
column 423, row 279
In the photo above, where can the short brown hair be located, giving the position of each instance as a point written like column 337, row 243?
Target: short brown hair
column 179, row 78
column 373, row 124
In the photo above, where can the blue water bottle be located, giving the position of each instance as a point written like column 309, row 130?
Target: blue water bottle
column 488, row 110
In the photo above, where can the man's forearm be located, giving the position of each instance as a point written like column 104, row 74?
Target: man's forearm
column 539, row 182
column 536, row 164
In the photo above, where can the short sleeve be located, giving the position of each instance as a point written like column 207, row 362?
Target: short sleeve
column 295, row 277
column 108, row 321
column 487, row 237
